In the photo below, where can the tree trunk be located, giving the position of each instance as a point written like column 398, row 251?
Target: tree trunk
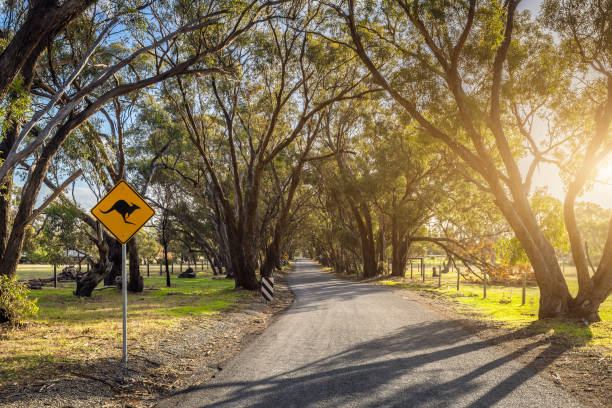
column 399, row 248
column 243, row 265
column 587, row 302
column 165, row 245
column 8, row 139
column 370, row 266
column 115, row 256
column 271, row 260
column 136, row 282
column 97, row 272
column 380, row 245
column 554, row 293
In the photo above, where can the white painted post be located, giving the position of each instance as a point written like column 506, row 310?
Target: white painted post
column 484, row 284
column 524, row 294
column 124, row 290
column 458, row 277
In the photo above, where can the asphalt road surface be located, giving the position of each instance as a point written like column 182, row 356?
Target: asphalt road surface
column 344, row 344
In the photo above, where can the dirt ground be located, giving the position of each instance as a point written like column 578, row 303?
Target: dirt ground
column 585, row 373
column 185, row 358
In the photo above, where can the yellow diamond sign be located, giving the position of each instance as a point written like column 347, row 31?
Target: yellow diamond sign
column 122, row 211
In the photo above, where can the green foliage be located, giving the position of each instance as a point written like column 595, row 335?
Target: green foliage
column 593, row 222
column 549, row 212
column 148, row 246
column 15, row 305
column 510, row 251
column 61, row 230
column 16, row 107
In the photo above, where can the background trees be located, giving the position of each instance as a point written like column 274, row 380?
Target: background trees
column 382, row 126
column 469, row 65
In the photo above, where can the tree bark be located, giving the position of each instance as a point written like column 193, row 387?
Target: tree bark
column 399, row 248
column 115, row 257
column 243, row 261
column 165, row 245
column 136, row 282
column 98, row 271
column 44, row 21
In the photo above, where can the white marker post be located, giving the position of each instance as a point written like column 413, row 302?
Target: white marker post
column 124, row 290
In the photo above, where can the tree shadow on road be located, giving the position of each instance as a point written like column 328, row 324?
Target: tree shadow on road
column 432, row 364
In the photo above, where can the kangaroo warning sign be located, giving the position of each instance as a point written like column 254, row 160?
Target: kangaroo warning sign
column 122, row 211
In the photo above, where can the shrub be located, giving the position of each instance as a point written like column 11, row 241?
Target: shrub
column 15, row 305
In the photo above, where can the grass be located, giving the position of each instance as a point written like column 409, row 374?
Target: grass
column 503, row 305
column 71, row 330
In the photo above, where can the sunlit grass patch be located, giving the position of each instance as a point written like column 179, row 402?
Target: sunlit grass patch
column 503, row 305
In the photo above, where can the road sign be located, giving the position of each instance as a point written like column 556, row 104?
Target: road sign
column 286, row 256
column 267, row 288
column 122, row 211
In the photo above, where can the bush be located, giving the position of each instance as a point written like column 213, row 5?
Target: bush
column 15, row 305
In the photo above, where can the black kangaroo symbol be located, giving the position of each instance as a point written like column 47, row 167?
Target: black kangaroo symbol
column 124, row 209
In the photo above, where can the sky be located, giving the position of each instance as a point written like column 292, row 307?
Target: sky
column 547, row 175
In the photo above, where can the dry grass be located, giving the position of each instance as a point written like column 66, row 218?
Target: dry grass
column 69, row 330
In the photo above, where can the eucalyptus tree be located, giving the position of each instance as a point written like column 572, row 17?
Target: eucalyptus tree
column 476, row 76
column 356, row 183
column 386, row 183
column 586, row 32
column 104, row 157
column 239, row 125
column 416, row 184
column 119, row 50
column 289, row 196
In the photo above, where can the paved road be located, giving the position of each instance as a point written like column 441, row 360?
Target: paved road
column 344, row 344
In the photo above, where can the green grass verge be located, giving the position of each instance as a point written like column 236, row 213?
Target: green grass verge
column 71, row 329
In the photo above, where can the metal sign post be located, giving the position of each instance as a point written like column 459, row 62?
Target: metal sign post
column 124, row 290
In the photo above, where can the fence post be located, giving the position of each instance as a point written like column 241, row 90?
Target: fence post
column 147, row 268
column 55, row 275
column 411, row 269
column 524, row 298
column 423, row 269
column 458, row 276
column 484, row 284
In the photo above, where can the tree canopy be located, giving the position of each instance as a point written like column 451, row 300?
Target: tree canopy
column 362, row 133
